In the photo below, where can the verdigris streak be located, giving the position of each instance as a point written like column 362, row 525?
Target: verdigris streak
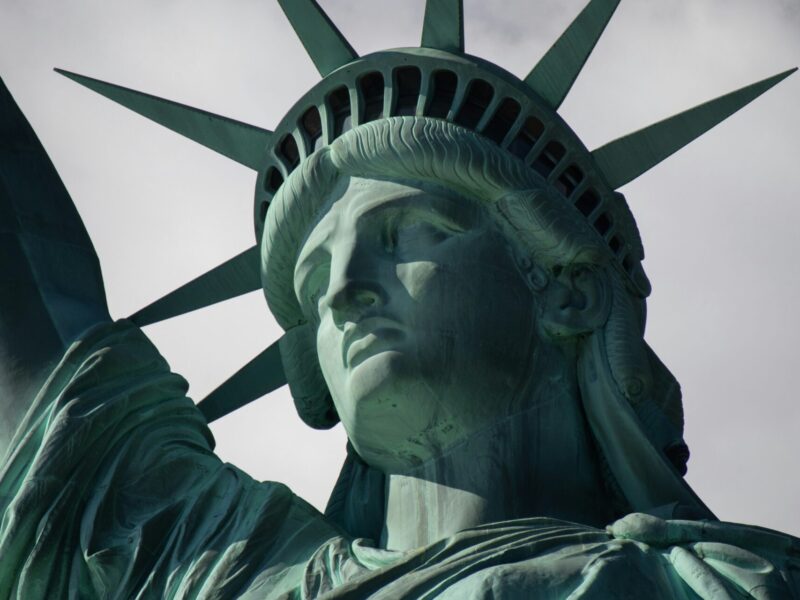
column 460, row 285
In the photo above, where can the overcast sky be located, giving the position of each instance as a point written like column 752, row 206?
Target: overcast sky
column 719, row 220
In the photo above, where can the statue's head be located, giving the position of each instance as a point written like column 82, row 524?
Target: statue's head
column 430, row 282
column 436, row 242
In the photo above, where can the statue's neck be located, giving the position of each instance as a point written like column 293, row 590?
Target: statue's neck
column 540, row 462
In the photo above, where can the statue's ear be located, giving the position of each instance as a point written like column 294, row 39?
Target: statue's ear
column 307, row 385
column 576, row 301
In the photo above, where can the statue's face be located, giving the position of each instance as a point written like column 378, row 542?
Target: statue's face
column 425, row 324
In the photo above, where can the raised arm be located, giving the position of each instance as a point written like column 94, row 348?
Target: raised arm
column 51, row 288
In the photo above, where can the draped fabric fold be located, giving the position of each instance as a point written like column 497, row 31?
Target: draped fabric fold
column 112, row 490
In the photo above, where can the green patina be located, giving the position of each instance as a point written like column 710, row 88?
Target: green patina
column 460, row 285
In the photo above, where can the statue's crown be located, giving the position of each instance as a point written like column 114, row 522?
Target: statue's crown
column 471, row 93
column 439, row 81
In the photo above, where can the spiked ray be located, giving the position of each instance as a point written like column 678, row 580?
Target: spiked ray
column 239, row 141
column 444, row 25
column 234, row 277
column 626, row 158
column 553, row 76
column 326, row 46
column 257, row 378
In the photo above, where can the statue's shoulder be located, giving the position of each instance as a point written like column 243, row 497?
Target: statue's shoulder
column 716, row 557
column 639, row 556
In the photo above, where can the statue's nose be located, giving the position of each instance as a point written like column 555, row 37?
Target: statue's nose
column 354, row 288
column 353, row 299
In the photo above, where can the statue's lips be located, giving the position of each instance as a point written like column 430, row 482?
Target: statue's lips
column 369, row 337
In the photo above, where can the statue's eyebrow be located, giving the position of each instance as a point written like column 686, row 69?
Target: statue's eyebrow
column 307, row 258
column 304, row 269
column 318, row 231
column 450, row 208
column 314, row 256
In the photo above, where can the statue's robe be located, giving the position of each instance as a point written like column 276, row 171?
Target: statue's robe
column 111, row 489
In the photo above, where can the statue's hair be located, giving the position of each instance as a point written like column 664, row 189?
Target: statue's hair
column 540, row 224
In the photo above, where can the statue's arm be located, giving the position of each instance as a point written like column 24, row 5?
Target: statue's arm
column 51, row 288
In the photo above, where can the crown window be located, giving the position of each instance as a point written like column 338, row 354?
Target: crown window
column 288, row 151
column 479, row 96
column 502, row 120
column 628, row 263
column 569, row 180
column 371, row 86
column 603, row 224
column 444, row 91
column 312, row 126
column 526, row 139
column 263, row 207
column 547, row 160
column 339, row 102
column 408, row 83
column 273, row 180
column 587, row 203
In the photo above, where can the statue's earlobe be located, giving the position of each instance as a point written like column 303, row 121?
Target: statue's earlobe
column 575, row 302
column 306, row 383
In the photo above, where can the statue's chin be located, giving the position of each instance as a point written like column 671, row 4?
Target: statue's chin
column 388, row 410
column 374, row 379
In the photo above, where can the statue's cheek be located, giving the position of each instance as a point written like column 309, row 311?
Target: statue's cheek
column 416, row 277
column 329, row 351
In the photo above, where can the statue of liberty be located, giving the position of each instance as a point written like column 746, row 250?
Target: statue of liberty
column 460, row 284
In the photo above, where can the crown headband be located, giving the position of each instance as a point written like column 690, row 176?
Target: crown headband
column 438, row 81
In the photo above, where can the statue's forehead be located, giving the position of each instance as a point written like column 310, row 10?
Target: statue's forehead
column 361, row 194
column 360, row 197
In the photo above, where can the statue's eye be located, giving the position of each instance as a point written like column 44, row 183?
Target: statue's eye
column 415, row 232
column 314, row 297
column 389, row 235
column 314, row 286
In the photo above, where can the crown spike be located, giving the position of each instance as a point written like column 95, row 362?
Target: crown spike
column 443, row 28
column 236, row 276
column 554, row 74
column 324, row 43
column 257, row 378
column 238, row 141
column 624, row 159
